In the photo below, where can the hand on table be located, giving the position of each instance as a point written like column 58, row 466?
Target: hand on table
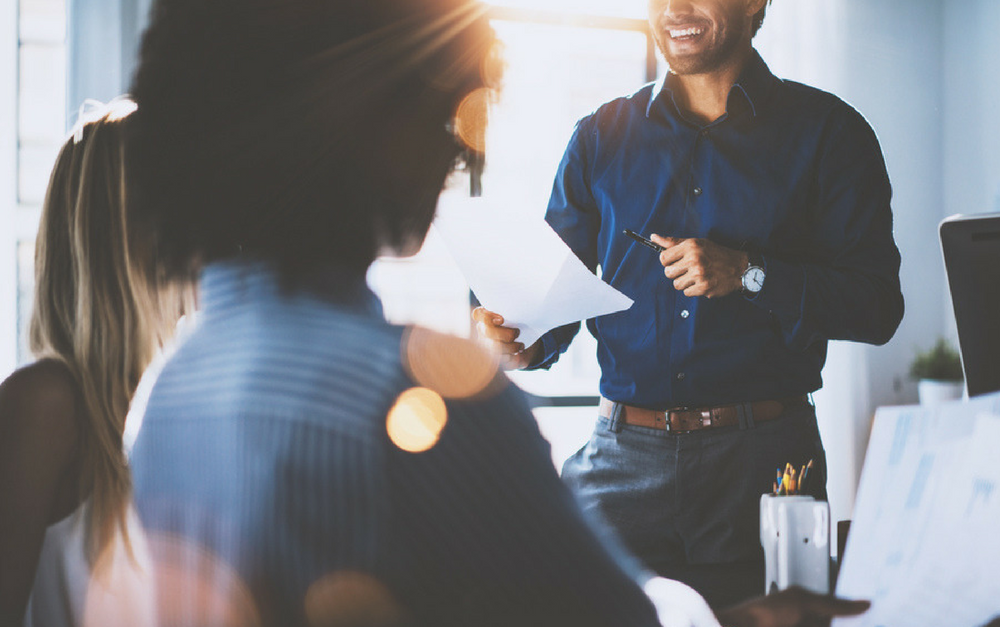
column 503, row 340
column 700, row 267
column 794, row 607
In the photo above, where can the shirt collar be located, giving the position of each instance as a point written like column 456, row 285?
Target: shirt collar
column 754, row 83
column 224, row 285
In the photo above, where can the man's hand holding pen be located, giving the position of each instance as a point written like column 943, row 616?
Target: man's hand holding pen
column 700, row 267
column 503, row 340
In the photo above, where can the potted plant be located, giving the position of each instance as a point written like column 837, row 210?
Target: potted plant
column 939, row 374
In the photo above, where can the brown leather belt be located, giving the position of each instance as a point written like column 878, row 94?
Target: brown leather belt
column 686, row 419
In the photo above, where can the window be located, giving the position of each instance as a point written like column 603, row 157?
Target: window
column 37, row 81
column 560, row 66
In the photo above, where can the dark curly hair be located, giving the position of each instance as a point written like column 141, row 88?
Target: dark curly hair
column 304, row 133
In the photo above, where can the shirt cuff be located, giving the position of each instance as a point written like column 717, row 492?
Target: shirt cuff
column 679, row 605
column 784, row 287
column 548, row 355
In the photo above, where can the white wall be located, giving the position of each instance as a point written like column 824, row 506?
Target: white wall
column 971, row 125
column 972, row 97
column 885, row 57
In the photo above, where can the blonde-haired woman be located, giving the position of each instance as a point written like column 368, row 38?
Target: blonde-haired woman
column 99, row 318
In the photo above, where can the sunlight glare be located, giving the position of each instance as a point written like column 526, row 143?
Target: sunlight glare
column 471, row 116
column 350, row 599
column 453, row 367
column 416, row 420
column 613, row 8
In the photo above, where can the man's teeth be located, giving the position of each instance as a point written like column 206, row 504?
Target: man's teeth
column 687, row 32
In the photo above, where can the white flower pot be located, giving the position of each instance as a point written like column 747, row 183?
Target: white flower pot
column 933, row 392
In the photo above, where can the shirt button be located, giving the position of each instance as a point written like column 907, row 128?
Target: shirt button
column 685, row 314
column 680, row 376
column 696, row 191
column 704, row 133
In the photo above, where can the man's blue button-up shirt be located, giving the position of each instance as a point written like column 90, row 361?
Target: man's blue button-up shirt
column 791, row 173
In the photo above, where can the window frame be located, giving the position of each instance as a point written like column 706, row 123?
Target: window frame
column 477, row 163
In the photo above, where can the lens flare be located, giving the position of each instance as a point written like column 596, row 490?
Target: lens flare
column 493, row 67
column 451, row 366
column 471, row 118
column 195, row 587
column 121, row 590
column 350, row 599
column 416, row 420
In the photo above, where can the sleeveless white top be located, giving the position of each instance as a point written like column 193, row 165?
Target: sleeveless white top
column 66, row 593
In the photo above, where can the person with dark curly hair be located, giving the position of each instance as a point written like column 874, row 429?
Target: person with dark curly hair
column 302, row 461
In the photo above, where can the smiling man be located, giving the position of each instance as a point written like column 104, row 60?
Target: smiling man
column 771, row 203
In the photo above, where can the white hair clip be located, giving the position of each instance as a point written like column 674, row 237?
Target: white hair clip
column 92, row 110
column 85, row 114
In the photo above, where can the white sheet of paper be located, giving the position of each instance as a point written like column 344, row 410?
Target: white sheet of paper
column 522, row 270
column 925, row 519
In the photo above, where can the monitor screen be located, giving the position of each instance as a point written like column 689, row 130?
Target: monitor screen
column 971, row 247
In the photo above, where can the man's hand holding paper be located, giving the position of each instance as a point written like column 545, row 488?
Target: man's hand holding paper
column 523, row 274
column 503, row 340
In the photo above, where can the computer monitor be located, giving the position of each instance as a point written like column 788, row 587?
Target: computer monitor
column 971, row 247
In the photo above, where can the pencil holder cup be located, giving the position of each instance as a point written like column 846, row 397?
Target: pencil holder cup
column 795, row 534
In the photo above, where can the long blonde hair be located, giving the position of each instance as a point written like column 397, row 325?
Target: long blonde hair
column 98, row 309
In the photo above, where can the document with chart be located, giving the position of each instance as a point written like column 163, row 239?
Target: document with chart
column 925, row 536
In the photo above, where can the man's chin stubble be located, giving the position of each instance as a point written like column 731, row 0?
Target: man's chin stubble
column 705, row 63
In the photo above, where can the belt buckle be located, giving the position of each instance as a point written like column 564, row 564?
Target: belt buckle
column 706, row 418
column 666, row 419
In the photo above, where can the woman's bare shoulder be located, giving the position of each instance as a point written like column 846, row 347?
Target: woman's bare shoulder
column 41, row 399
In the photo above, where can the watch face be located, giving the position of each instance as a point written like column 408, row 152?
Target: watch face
column 753, row 279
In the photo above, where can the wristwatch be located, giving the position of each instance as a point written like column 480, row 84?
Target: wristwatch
column 753, row 276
